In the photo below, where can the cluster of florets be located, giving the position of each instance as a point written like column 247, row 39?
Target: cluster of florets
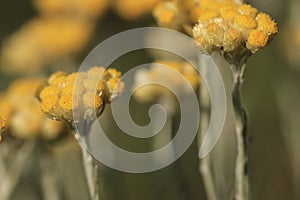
column 82, row 93
column 225, row 26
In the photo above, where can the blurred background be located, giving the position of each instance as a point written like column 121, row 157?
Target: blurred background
column 40, row 37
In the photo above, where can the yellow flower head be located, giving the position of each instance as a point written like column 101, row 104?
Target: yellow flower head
column 84, row 92
column 257, row 39
column 247, row 9
column 227, row 27
column 266, row 24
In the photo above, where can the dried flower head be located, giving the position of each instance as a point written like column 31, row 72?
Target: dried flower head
column 85, row 92
column 21, row 109
column 174, row 74
column 225, row 26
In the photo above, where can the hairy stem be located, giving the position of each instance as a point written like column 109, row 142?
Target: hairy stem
column 92, row 174
column 91, row 168
column 241, row 171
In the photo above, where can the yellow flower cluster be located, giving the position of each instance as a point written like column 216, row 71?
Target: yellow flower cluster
column 174, row 74
column 85, row 92
column 2, row 126
column 22, row 110
column 43, row 41
column 227, row 26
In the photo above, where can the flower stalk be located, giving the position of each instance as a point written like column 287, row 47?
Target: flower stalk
column 92, row 174
column 241, row 166
column 49, row 176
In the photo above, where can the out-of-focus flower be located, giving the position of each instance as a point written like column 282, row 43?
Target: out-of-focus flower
column 176, row 74
column 83, row 8
column 133, row 9
column 43, row 41
column 2, row 126
column 175, row 14
column 61, row 95
column 23, row 115
column 228, row 27
column 169, row 14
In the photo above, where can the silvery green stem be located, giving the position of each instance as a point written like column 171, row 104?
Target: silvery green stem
column 92, row 174
column 91, row 168
column 241, row 173
column 9, row 182
column 49, row 177
column 205, row 163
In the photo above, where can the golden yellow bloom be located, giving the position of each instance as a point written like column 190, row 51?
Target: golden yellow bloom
column 227, row 27
column 266, row 24
column 62, row 96
column 228, row 13
column 246, row 9
column 208, row 15
column 25, row 119
column 167, row 76
column 257, row 39
column 244, row 23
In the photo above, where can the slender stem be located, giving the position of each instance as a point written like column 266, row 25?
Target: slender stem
column 92, row 174
column 91, row 168
column 241, row 171
column 49, row 176
column 205, row 163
